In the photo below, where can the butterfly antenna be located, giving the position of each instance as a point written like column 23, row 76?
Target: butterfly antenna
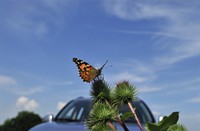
column 104, row 65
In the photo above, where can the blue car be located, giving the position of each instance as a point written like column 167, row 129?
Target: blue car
column 73, row 115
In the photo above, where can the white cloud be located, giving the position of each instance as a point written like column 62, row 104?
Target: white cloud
column 60, row 105
column 7, row 80
column 26, row 104
column 21, row 101
column 32, row 104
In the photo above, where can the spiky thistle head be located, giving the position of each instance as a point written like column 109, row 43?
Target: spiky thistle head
column 123, row 92
column 100, row 114
column 100, row 91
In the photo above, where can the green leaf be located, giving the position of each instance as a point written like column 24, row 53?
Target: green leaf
column 126, row 116
column 164, row 124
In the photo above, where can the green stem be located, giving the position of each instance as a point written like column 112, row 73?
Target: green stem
column 136, row 118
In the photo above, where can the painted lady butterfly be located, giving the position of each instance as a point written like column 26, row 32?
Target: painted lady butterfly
column 86, row 71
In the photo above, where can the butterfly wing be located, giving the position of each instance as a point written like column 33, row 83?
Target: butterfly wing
column 86, row 71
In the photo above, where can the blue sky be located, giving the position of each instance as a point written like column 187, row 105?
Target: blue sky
column 153, row 44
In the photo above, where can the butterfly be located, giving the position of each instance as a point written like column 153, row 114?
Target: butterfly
column 86, row 71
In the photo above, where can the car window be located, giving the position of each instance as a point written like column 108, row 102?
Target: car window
column 69, row 113
column 80, row 113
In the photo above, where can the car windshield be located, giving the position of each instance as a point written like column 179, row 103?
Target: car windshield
column 78, row 110
column 74, row 111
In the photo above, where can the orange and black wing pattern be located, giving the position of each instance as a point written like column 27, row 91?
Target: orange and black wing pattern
column 86, row 71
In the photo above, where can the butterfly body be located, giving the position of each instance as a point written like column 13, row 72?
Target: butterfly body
column 86, row 71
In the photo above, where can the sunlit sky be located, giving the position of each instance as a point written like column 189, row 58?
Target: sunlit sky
column 154, row 44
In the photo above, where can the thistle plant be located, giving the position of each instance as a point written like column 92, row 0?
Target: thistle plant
column 124, row 93
column 106, row 104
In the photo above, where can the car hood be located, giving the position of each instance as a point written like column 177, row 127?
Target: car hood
column 58, row 126
column 74, row 126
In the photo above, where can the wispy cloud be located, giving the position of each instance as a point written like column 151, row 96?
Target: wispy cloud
column 7, row 80
column 24, row 90
column 133, row 70
column 195, row 100
column 154, row 34
column 127, row 76
column 174, row 22
column 34, row 17
column 59, row 83
column 141, row 9
column 178, row 53
column 18, row 86
column 149, row 89
column 11, row 85
column 175, row 37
